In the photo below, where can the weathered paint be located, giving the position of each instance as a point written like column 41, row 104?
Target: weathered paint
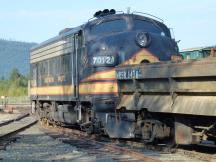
column 187, row 87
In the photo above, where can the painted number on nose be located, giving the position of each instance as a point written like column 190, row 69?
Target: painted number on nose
column 103, row 60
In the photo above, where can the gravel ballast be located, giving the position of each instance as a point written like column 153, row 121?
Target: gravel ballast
column 33, row 145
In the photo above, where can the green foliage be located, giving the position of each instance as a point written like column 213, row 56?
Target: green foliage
column 16, row 85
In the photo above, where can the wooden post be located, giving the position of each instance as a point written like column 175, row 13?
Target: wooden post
column 212, row 52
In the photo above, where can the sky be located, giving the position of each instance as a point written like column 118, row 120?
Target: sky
column 193, row 21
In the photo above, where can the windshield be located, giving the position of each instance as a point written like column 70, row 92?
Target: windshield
column 151, row 27
column 109, row 27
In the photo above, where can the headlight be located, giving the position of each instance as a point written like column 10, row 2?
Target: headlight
column 143, row 39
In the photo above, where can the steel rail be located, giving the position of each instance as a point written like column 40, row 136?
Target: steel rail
column 15, row 119
column 111, row 147
column 18, row 124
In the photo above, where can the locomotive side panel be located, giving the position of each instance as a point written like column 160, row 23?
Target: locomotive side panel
column 52, row 72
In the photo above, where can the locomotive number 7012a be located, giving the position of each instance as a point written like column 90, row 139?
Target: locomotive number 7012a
column 103, row 60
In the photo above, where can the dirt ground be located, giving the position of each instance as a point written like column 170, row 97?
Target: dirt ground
column 16, row 111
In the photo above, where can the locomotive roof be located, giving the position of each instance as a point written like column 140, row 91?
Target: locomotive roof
column 56, row 38
column 92, row 22
column 115, row 16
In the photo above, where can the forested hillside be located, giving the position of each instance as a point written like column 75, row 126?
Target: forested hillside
column 14, row 54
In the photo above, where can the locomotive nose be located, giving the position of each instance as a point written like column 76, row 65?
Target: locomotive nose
column 104, row 53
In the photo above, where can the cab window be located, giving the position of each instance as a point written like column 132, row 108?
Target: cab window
column 109, row 27
column 150, row 27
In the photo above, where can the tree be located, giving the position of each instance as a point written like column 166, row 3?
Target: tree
column 16, row 85
column 14, row 74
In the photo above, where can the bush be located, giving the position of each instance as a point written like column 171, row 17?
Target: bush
column 16, row 85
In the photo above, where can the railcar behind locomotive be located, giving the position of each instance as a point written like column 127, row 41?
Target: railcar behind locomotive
column 172, row 101
column 73, row 77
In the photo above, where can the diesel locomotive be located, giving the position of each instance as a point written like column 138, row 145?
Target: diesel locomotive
column 73, row 77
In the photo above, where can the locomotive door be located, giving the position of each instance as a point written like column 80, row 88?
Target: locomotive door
column 76, row 67
column 75, row 64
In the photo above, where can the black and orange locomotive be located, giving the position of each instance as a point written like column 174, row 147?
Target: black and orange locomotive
column 73, row 77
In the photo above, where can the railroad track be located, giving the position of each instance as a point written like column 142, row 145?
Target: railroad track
column 2, row 123
column 11, row 127
column 199, row 153
column 104, row 149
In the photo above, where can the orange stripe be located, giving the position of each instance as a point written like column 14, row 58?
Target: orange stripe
column 84, row 88
column 99, row 93
column 52, row 90
column 136, row 58
column 141, row 55
column 100, row 72
column 98, row 88
column 113, row 79
column 102, row 75
column 107, row 82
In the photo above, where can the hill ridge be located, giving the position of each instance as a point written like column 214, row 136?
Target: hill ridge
column 14, row 54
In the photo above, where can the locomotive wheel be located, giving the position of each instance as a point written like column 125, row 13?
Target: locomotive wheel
column 171, row 141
